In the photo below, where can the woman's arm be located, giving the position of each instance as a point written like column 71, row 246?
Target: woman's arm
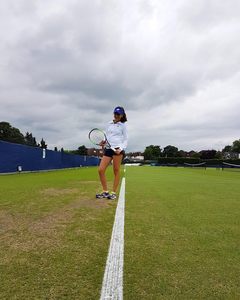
column 123, row 146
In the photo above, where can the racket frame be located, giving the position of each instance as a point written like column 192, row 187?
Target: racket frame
column 105, row 138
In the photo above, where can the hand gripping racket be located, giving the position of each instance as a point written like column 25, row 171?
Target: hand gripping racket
column 98, row 137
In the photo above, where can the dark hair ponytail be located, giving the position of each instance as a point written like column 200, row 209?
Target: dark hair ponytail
column 124, row 117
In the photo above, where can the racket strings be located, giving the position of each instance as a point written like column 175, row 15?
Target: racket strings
column 96, row 136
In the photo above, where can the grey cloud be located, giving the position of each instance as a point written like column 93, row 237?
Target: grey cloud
column 207, row 15
column 69, row 62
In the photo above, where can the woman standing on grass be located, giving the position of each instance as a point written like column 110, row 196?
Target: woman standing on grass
column 117, row 137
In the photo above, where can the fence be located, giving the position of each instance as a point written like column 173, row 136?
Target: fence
column 15, row 157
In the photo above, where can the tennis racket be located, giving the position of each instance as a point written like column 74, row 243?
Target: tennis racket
column 98, row 137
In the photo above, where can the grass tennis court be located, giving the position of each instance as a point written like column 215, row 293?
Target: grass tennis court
column 54, row 235
column 182, row 234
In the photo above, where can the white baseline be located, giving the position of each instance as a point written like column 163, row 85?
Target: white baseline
column 112, row 286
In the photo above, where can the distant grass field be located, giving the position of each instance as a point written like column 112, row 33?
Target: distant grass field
column 182, row 234
column 54, row 235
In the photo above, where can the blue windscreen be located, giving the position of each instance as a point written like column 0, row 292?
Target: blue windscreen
column 33, row 159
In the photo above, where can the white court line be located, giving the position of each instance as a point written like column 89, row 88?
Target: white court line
column 112, row 286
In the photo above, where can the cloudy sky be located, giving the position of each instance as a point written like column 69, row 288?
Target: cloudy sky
column 173, row 65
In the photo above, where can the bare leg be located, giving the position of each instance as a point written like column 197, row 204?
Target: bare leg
column 101, row 170
column 117, row 159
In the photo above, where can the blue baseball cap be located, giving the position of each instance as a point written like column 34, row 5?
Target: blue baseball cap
column 119, row 110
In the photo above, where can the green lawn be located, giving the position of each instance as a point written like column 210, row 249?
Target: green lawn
column 182, row 234
column 54, row 235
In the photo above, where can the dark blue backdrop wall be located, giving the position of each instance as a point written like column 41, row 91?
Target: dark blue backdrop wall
column 34, row 159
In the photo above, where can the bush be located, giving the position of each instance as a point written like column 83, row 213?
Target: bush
column 182, row 160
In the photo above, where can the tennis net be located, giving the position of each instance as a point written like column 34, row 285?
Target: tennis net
column 172, row 165
column 232, row 167
column 197, row 166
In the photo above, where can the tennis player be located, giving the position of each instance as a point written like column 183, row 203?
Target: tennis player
column 116, row 133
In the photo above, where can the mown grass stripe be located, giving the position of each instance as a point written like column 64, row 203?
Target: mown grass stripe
column 112, row 286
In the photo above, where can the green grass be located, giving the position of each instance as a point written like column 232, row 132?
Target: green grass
column 182, row 234
column 54, row 235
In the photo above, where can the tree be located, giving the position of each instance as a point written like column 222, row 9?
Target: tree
column 236, row 146
column 170, row 151
column 55, row 149
column 208, row 154
column 182, row 153
column 82, row 150
column 152, row 152
column 11, row 134
column 43, row 144
column 219, row 155
column 227, row 148
column 195, row 154
column 30, row 140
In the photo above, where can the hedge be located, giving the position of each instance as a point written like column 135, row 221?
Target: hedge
column 182, row 160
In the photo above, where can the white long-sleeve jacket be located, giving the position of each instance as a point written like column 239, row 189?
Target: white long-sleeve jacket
column 117, row 135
